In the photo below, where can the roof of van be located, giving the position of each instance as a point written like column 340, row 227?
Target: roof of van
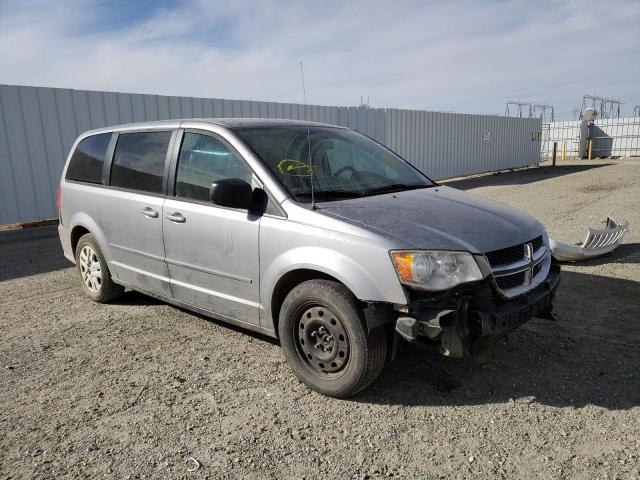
column 225, row 122
column 260, row 122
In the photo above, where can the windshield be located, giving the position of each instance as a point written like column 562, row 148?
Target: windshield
column 344, row 163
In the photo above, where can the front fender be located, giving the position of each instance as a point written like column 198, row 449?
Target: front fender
column 377, row 284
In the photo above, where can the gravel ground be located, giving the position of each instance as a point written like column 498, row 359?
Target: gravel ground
column 136, row 388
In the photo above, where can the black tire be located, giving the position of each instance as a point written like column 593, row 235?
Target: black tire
column 366, row 352
column 106, row 290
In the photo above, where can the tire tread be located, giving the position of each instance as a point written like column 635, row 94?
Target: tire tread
column 109, row 290
column 375, row 354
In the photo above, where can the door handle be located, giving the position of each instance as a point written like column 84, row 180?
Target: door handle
column 176, row 217
column 148, row 212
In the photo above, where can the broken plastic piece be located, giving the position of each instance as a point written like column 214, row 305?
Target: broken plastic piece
column 597, row 242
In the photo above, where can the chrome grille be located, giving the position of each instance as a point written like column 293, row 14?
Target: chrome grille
column 520, row 268
column 537, row 243
column 507, row 255
column 510, row 281
column 512, row 254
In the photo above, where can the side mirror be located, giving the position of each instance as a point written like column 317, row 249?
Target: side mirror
column 236, row 193
column 260, row 201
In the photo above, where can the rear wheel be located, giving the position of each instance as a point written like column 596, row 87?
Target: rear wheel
column 324, row 339
column 94, row 272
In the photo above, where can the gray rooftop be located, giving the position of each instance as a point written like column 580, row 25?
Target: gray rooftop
column 225, row 122
column 259, row 122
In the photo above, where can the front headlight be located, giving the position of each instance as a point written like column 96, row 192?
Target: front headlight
column 435, row 270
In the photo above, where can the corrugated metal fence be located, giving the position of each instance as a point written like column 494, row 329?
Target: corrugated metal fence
column 38, row 126
column 445, row 145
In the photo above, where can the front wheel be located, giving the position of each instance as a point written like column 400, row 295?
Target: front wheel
column 325, row 341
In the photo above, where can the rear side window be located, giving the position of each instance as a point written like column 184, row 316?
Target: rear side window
column 87, row 160
column 138, row 161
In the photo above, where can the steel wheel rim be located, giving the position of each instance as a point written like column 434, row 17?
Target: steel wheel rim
column 321, row 341
column 90, row 270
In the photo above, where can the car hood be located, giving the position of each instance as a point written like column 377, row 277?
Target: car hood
column 440, row 218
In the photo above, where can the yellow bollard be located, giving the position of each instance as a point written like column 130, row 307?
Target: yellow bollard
column 590, row 149
column 564, row 150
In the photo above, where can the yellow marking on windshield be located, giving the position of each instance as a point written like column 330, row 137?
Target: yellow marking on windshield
column 294, row 168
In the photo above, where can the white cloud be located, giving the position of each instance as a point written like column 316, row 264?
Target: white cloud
column 462, row 56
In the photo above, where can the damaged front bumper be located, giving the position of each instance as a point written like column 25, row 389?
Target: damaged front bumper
column 467, row 321
column 596, row 243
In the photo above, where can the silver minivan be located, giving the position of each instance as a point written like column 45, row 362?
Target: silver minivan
column 311, row 233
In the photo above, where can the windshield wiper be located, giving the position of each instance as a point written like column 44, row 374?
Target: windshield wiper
column 331, row 194
column 394, row 187
column 346, row 194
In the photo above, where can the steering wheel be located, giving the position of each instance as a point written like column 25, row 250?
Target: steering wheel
column 340, row 171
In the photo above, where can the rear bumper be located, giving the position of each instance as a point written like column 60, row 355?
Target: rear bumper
column 65, row 241
column 471, row 321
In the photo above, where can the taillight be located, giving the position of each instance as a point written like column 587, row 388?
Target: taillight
column 58, row 200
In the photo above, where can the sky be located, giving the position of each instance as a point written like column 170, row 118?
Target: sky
column 461, row 56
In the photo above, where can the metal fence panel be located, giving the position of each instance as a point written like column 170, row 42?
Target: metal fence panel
column 38, row 126
column 615, row 137
column 18, row 154
column 447, row 145
column 611, row 137
column 567, row 133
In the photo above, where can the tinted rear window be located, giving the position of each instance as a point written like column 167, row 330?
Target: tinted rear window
column 138, row 162
column 87, row 160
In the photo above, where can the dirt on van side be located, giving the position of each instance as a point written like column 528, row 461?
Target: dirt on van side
column 138, row 389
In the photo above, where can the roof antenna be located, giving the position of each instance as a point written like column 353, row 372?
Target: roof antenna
column 304, row 93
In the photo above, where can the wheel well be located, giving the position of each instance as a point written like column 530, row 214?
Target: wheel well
column 288, row 282
column 76, row 233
